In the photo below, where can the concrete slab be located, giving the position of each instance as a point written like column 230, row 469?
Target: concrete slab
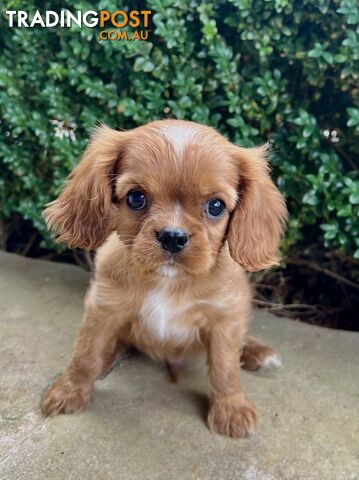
column 140, row 426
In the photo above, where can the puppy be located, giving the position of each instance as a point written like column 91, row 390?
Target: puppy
column 178, row 213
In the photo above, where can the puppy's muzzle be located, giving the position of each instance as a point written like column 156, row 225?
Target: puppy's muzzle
column 172, row 240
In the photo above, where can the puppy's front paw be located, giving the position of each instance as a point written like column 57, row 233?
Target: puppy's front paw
column 233, row 416
column 65, row 397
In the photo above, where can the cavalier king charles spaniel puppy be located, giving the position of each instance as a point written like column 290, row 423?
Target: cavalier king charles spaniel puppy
column 177, row 214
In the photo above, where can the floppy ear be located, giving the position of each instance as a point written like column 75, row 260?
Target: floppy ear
column 80, row 216
column 258, row 221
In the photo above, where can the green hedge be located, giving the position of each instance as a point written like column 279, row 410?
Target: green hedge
column 257, row 70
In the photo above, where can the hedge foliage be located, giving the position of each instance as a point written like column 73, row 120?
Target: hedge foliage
column 257, row 70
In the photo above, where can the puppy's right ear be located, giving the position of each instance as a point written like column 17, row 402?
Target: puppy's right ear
column 80, row 216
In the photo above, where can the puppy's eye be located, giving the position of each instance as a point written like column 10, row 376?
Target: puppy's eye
column 136, row 200
column 215, row 208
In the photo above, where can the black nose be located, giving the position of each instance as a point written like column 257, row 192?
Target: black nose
column 172, row 239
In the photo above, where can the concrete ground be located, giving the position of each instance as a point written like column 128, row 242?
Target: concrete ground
column 140, row 426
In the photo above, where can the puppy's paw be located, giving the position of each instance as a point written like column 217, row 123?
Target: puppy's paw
column 256, row 356
column 65, row 397
column 233, row 416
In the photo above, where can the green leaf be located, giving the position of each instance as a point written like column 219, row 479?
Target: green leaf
column 345, row 212
column 339, row 58
column 354, row 198
column 328, row 57
column 143, row 64
column 316, row 52
column 310, row 198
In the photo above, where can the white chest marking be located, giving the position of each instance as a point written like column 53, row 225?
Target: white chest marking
column 160, row 315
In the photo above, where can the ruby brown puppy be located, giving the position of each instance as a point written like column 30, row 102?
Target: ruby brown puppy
column 177, row 214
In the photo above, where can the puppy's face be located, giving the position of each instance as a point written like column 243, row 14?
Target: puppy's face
column 174, row 191
column 174, row 194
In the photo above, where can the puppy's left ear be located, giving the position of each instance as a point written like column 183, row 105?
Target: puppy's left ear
column 257, row 223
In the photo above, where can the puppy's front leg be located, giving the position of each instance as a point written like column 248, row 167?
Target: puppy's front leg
column 231, row 413
column 95, row 350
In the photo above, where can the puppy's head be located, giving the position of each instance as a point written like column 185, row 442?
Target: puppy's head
column 174, row 191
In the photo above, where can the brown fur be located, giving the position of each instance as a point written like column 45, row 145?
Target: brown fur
column 206, row 304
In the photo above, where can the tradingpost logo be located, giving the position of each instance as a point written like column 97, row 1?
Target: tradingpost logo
column 114, row 26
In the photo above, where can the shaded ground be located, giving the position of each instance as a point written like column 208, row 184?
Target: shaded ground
column 142, row 427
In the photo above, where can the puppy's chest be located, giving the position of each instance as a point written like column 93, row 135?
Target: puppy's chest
column 166, row 319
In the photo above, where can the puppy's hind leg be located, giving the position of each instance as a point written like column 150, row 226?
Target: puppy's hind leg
column 256, row 355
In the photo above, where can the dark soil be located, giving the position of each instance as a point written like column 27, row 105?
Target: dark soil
column 312, row 296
